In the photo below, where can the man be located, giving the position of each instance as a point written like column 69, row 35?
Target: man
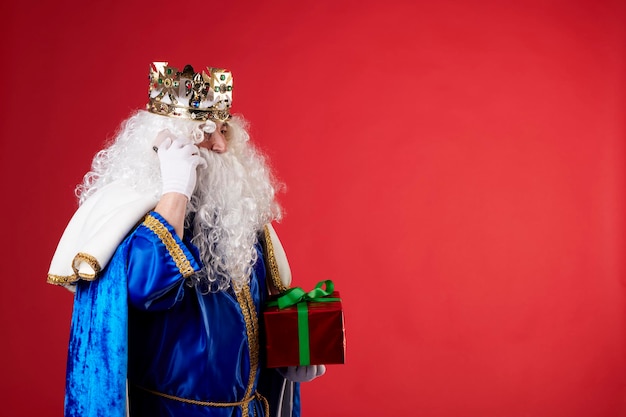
column 171, row 254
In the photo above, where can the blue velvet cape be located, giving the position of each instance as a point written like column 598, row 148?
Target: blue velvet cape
column 183, row 343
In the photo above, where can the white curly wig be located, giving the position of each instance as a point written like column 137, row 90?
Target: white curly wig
column 234, row 196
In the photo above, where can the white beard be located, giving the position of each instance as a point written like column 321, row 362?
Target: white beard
column 233, row 200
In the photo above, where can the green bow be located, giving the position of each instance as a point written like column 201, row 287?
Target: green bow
column 296, row 296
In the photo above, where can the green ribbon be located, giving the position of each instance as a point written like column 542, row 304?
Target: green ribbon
column 298, row 297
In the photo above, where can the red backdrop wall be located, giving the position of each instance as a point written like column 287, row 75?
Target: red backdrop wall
column 456, row 167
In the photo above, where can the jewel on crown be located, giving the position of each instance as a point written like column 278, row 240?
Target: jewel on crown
column 189, row 94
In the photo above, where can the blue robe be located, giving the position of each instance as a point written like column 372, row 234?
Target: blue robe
column 182, row 352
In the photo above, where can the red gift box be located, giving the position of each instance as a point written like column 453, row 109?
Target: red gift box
column 306, row 332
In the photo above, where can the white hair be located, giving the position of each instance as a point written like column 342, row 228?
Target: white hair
column 234, row 196
column 130, row 159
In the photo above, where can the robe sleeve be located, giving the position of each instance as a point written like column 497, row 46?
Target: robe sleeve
column 159, row 263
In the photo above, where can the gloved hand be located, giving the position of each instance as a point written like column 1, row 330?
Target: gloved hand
column 302, row 373
column 179, row 159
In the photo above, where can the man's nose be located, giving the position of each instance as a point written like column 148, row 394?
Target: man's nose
column 217, row 142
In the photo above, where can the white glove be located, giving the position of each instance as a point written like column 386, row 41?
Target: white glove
column 179, row 160
column 302, row 373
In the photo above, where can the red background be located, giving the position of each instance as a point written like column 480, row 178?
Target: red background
column 456, row 167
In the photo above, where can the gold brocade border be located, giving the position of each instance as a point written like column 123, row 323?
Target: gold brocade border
column 89, row 260
column 72, row 279
column 271, row 261
column 244, row 298
column 183, row 264
column 61, row 280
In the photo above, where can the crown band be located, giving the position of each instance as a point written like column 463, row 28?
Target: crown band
column 188, row 94
column 182, row 112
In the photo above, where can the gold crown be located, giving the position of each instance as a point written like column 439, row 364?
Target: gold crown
column 188, row 94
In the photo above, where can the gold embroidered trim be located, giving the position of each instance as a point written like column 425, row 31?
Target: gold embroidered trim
column 271, row 261
column 246, row 303
column 177, row 254
column 243, row 403
column 61, row 280
column 71, row 279
column 89, row 260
